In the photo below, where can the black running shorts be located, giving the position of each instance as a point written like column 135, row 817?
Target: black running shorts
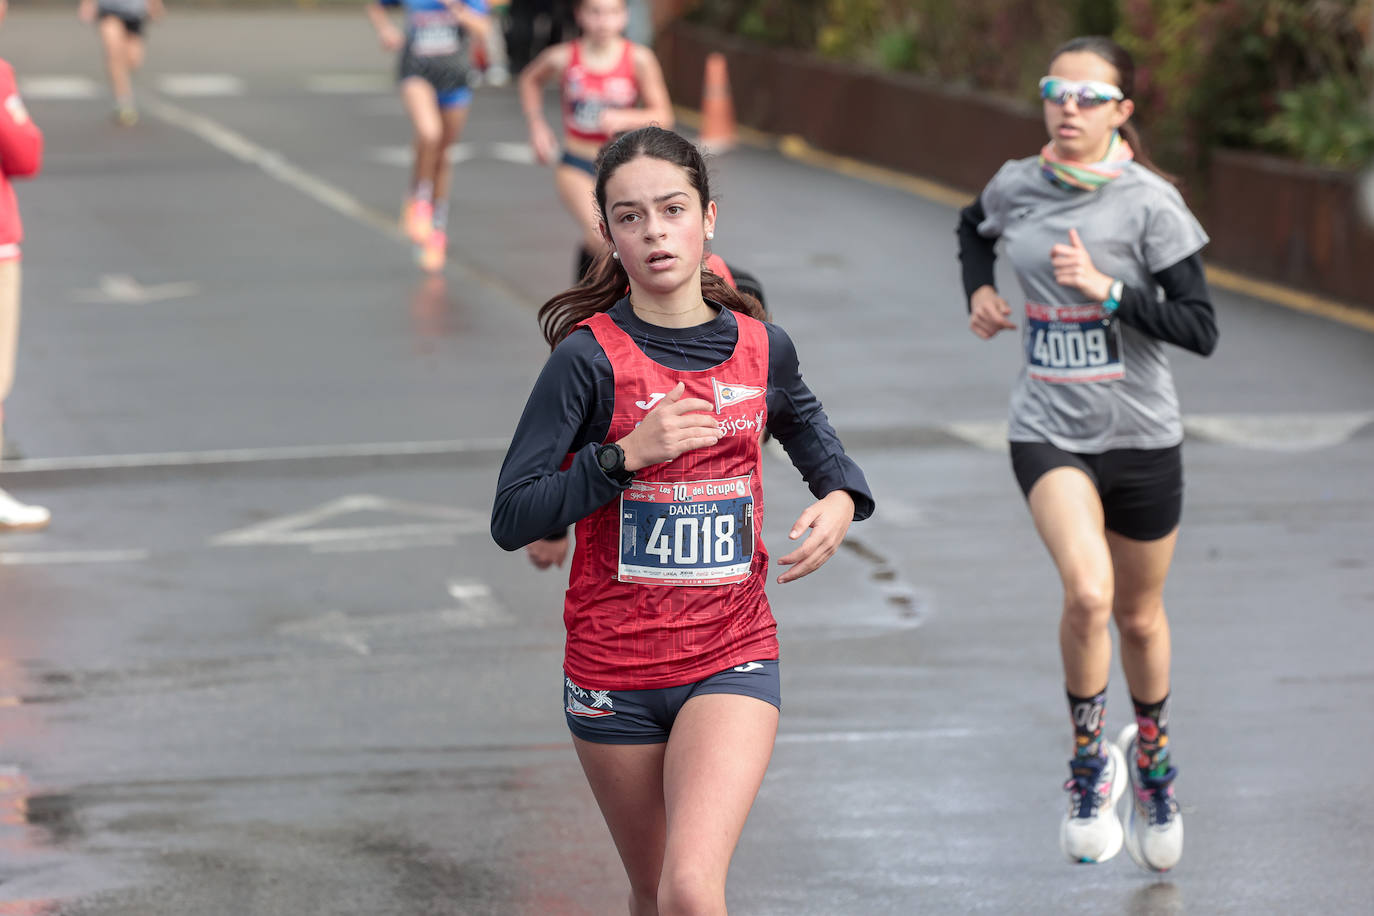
column 1141, row 488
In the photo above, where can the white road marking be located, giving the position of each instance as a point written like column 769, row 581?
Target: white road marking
column 124, row 289
column 252, row 455
column 409, row 540
column 274, row 164
column 298, row 528
column 349, row 83
column 478, row 609
column 62, row 557
column 199, row 85
column 1277, row 432
column 518, row 153
column 58, row 87
column 891, row 734
column 989, row 435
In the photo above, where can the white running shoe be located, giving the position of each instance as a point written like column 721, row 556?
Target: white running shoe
column 1091, row 831
column 15, row 516
column 1154, row 823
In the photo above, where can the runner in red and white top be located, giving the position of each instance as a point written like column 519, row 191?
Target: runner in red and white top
column 609, row 85
column 644, row 429
column 21, row 156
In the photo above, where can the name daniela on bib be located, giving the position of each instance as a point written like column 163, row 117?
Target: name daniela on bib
column 698, row 532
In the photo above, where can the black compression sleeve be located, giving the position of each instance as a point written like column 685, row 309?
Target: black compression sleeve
column 1184, row 317
column 977, row 254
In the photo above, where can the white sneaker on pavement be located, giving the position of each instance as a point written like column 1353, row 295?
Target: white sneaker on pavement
column 1091, row 831
column 1154, row 823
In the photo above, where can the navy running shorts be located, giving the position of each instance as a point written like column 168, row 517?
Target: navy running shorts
column 577, row 162
column 133, row 25
column 646, row 716
column 1141, row 488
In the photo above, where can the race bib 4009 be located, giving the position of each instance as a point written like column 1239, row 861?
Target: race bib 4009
column 1068, row 344
column 698, row 532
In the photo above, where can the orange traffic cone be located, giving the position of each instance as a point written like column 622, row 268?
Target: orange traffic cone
column 718, row 130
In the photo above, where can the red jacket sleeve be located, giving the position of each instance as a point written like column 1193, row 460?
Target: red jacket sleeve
column 21, row 142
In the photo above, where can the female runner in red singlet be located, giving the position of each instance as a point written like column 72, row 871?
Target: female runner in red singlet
column 603, row 77
column 659, row 399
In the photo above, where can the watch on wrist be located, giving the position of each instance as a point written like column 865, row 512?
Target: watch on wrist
column 1113, row 301
column 611, row 459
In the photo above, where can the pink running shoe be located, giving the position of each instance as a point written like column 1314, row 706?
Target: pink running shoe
column 417, row 220
column 434, row 251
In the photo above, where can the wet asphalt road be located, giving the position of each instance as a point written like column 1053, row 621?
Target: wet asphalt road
column 267, row 660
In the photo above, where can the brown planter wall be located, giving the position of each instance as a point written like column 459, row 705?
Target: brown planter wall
column 1292, row 223
column 1269, row 217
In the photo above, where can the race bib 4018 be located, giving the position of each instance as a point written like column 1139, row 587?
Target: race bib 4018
column 698, row 532
column 1068, row 344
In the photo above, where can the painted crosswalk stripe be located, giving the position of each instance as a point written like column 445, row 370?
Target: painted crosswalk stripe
column 199, row 85
column 349, row 83
column 58, row 87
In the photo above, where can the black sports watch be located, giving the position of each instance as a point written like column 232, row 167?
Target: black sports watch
column 611, row 459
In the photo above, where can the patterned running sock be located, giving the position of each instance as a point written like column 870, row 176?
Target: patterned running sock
column 424, row 190
column 441, row 215
column 1152, row 741
column 1088, row 713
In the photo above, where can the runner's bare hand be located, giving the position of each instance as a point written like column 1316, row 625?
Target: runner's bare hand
column 988, row 313
column 545, row 553
column 673, row 426
column 829, row 519
column 1073, row 267
column 543, row 141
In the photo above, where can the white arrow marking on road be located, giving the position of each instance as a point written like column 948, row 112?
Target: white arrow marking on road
column 297, row 528
column 200, row 85
column 122, row 288
column 478, row 608
column 58, row 87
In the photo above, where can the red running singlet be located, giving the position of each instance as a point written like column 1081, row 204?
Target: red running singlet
column 667, row 581
column 587, row 93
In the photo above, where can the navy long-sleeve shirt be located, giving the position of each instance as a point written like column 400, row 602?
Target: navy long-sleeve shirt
column 569, row 413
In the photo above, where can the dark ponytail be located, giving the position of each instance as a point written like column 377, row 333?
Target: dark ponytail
column 1124, row 64
column 606, row 282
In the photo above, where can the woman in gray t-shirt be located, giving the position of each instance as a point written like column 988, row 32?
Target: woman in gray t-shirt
column 1106, row 254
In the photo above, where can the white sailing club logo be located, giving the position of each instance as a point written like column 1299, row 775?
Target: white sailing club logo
column 728, row 394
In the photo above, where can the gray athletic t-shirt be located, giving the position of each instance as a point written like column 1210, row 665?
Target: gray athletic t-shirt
column 133, row 9
column 1090, row 383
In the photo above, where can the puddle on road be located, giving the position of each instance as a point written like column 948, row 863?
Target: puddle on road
column 911, row 605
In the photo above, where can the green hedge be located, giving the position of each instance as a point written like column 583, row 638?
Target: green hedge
column 1292, row 78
